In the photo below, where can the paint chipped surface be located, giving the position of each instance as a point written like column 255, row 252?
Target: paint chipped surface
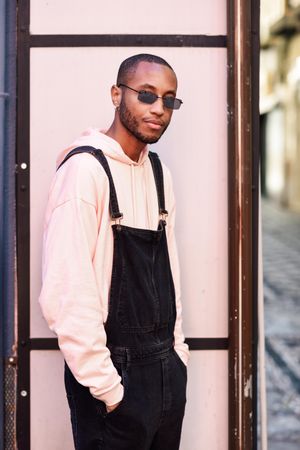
column 248, row 387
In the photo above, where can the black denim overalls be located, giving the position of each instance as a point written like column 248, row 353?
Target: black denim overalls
column 140, row 336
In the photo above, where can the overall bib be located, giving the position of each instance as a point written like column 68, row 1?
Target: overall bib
column 140, row 337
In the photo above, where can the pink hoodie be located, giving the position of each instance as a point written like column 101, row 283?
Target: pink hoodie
column 78, row 254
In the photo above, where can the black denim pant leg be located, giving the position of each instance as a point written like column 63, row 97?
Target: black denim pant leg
column 175, row 379
column 151, row 413
column 86, row 418
column 169, row 433
column 148, row 418
column 132, row 425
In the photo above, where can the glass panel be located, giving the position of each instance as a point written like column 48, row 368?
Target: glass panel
column 206, row 417
column 205, row 424
column 194, row 147
column 119, row 17
column 50, row 423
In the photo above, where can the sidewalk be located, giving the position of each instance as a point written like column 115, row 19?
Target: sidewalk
column 281, row 258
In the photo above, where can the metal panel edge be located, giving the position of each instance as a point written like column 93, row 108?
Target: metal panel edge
column 23, row 225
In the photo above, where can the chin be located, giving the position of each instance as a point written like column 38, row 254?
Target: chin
column 149, row 139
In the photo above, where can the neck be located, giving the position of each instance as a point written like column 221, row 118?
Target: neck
column 131, row 146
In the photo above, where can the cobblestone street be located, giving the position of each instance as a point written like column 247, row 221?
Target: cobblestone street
column 281, row 257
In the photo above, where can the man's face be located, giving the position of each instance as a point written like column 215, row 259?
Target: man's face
column 147, row 122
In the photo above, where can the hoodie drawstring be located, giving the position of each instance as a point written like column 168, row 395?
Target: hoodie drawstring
column 133, row 194
column 146, row 183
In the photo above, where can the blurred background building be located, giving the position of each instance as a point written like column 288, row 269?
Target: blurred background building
column 280, row 183
column 280, row 101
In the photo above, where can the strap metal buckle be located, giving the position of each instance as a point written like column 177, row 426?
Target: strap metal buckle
column 117, row 218
column 164, row 214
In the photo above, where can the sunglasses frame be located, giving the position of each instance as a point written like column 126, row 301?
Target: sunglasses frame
column 177, row 101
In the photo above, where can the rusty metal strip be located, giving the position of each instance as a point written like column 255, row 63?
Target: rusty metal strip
column 240, row 225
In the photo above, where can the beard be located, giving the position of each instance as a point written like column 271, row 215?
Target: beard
column 131, row 124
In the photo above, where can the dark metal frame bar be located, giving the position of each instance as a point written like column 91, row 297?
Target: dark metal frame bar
column 2, row 120
column 9, row 232
column 127, row 40
column 241, row 240
column 194, row 343
column 8, row 180
column 23, row 226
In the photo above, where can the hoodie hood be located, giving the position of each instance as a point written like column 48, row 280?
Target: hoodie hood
column 96, row 138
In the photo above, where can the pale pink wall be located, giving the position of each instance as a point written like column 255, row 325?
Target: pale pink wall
column 50, row 425
column 205, row 425
column 194, row 147
column 131, row 16
column 69, row 91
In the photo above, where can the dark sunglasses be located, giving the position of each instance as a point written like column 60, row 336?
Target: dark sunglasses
column 149, row 98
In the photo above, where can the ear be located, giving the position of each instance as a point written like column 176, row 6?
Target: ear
column 116, row 95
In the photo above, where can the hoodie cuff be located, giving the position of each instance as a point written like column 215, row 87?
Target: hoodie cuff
column 183, row 352
column 112, row 397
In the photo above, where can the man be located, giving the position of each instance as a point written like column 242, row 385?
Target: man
column 110, row 272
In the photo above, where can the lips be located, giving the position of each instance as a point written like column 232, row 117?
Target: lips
column 154, row 124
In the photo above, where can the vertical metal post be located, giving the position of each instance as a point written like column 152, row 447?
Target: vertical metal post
column 2, row 110
column 240, row 175
column 23, row 225
column 7, row 217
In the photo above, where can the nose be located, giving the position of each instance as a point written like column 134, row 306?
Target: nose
column 158, row 107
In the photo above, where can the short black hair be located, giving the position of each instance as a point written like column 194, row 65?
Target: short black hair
column 129, row 65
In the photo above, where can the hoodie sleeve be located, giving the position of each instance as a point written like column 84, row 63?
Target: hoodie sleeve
column 180, row 346
column 70, row 298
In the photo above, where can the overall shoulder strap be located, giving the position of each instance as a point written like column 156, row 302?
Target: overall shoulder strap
column 99, row 155
column 159, row 182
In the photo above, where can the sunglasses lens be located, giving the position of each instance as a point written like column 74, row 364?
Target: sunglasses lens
column 172, row 103
column 147, row 97
column 169, row 102
column 150, row 97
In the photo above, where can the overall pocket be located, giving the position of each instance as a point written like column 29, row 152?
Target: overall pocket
column 124, row 380
column 180, row 363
